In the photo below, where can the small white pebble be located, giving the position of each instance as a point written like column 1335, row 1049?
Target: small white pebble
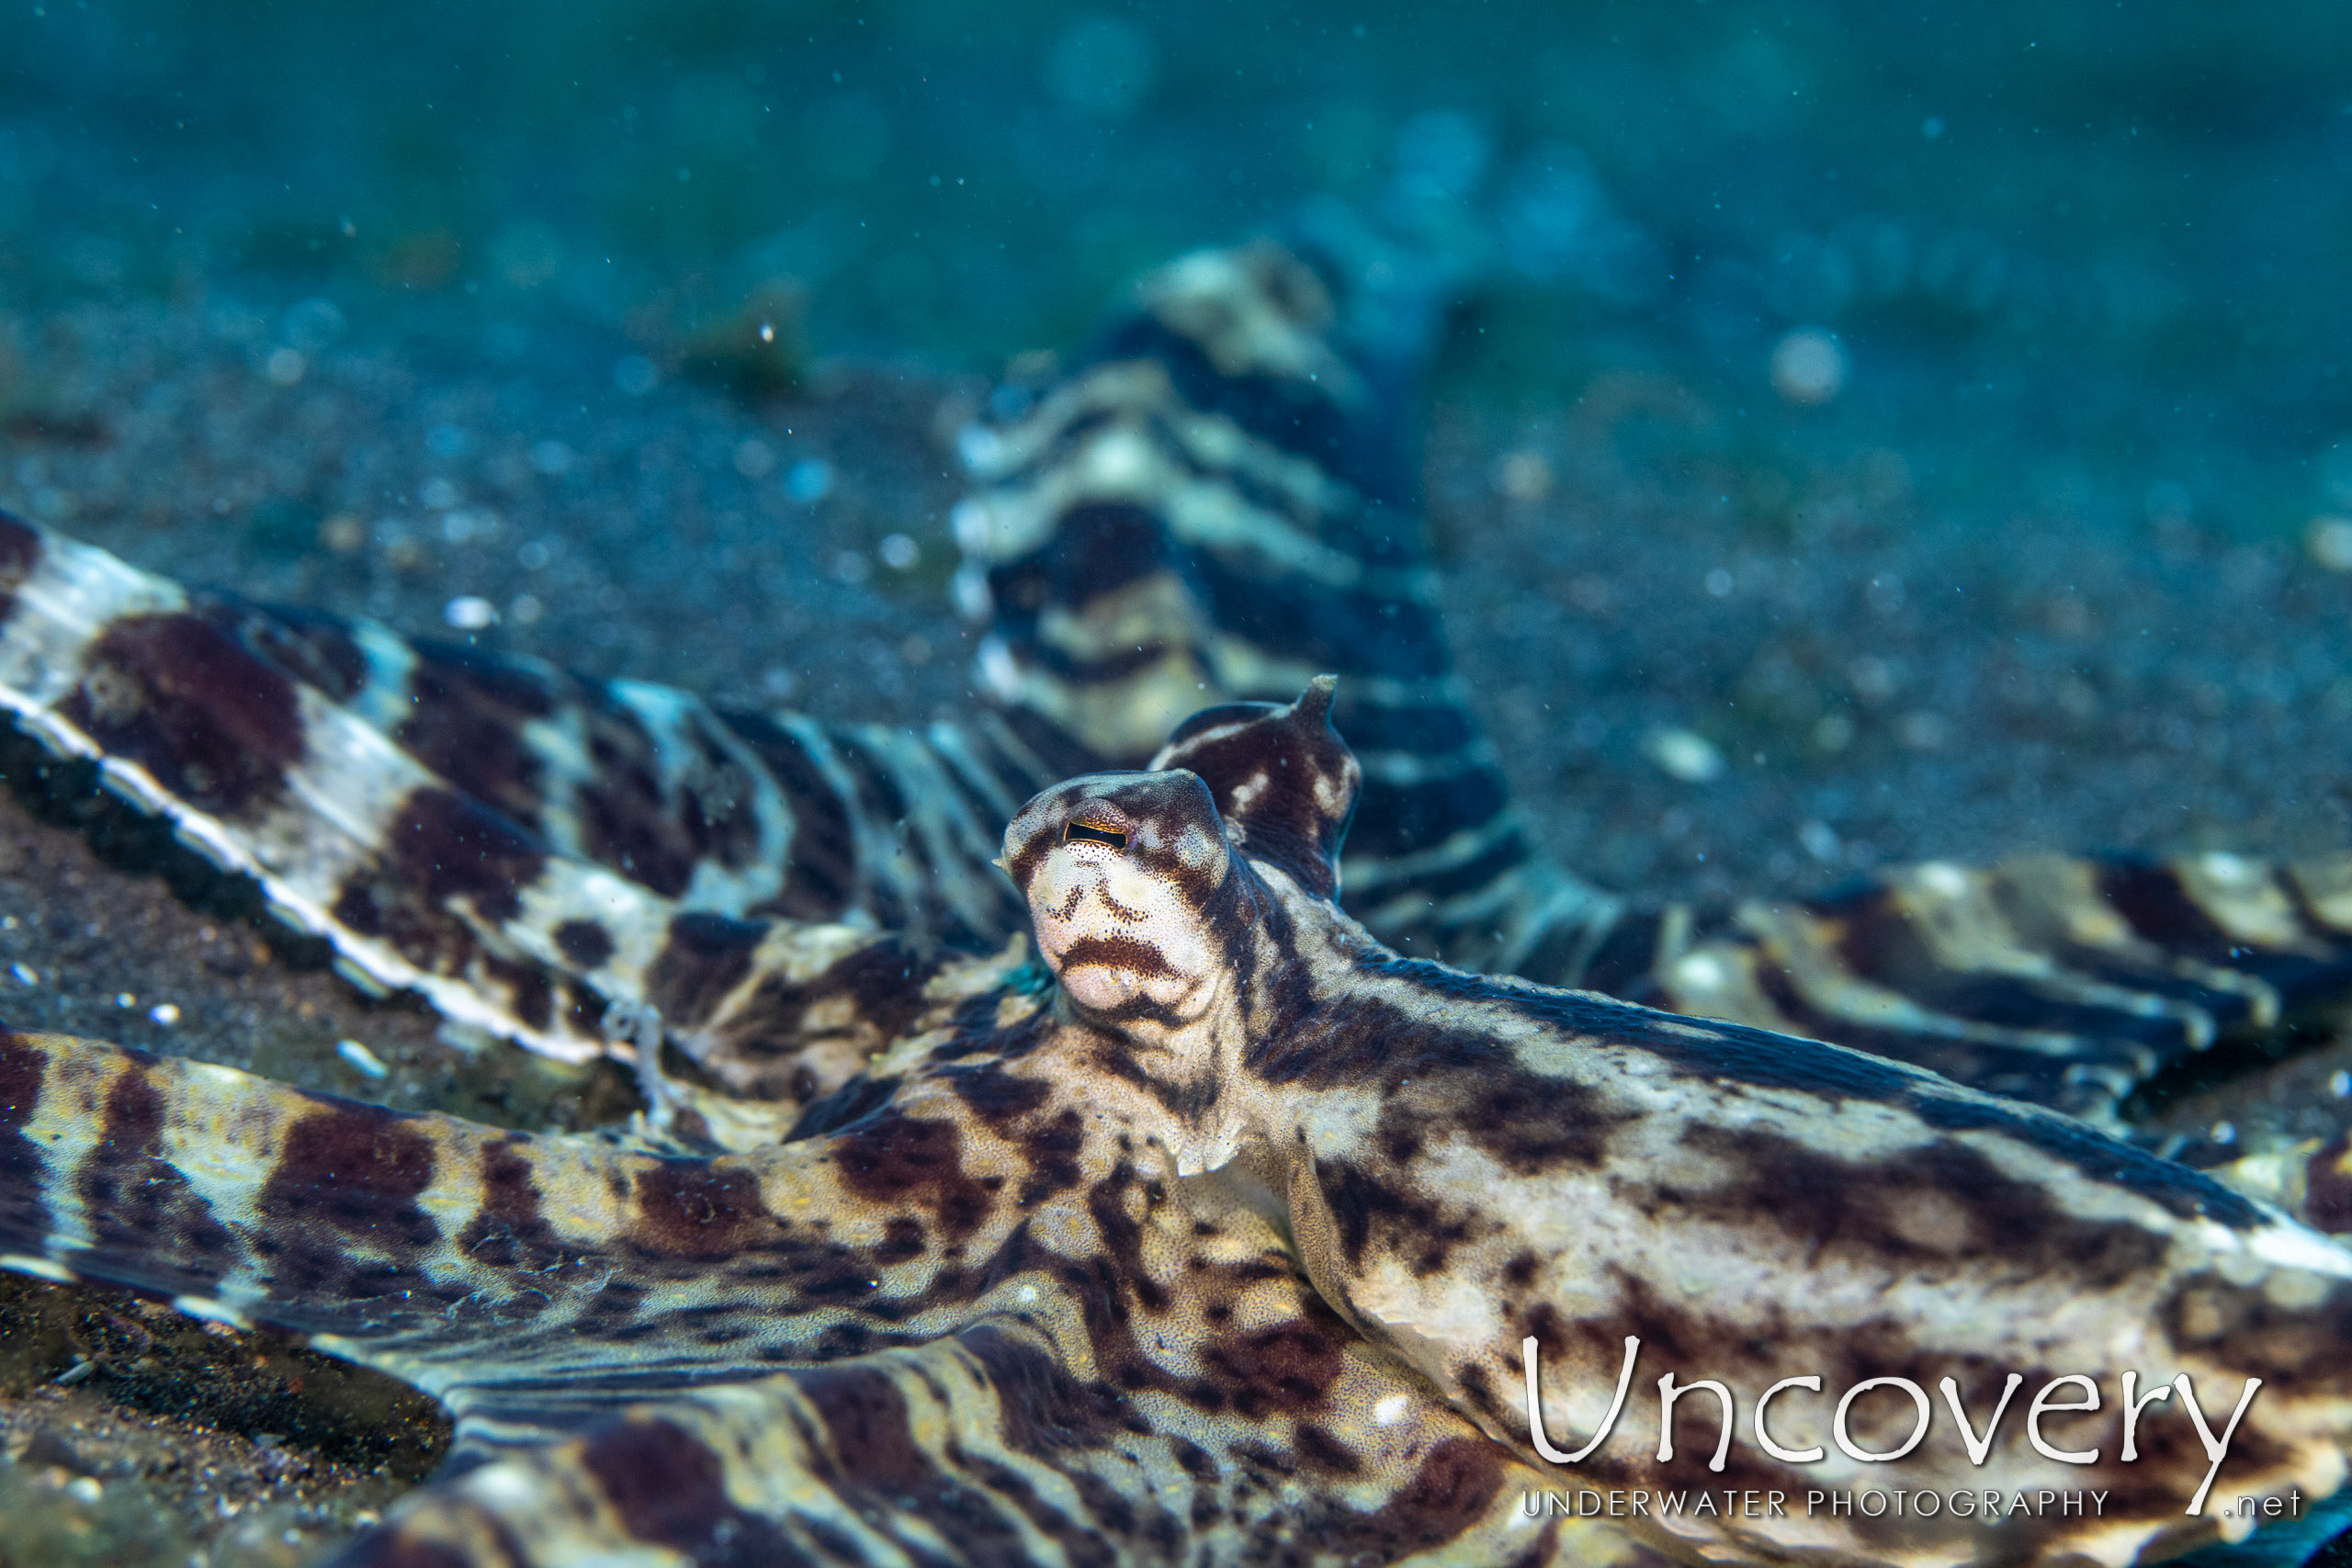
column 2339, row 1084
column 970, row 521
column 1700, row 970
column 79, row 1371
column 2329, row 539
column 164, row 1013
column 979, row 448
column 1944, row 878
column 970, row 588
column 1523, row 476
column 25, row 976
column 1688, row 757
column 361, row 1059
column 86, row 1488
column 2223, row 1133
column 125, row 999
column 469, row 613
column 1390, row 1410
column 1808, row 366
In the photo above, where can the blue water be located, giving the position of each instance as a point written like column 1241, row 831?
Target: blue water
column 2124, row 218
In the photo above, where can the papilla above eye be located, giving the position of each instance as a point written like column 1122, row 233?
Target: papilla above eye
column 1087, row 833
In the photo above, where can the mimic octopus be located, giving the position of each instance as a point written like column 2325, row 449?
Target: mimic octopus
column 1106, row 1190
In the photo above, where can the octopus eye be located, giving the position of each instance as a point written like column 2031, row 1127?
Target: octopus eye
column 1087, row 833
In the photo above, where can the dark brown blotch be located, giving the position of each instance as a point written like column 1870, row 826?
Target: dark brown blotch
column 1942, row 1210
column 447, row 846
column 2328, row 1201
column 530, row 995
column 214, row 725
column 1369, row 1210
column 1462, row 1081
column 883, row 982
column 1456, row 1485
column 704, row 959
column 24, row 1210
column 358, row 1169
column 851, row 1103
column 395, row 1547
column 147, row 1222
column 894, row 1159
column 865, row 1423
column 652, row 822
column 882, row 1464
column 2241, row 1326
column 999, row 1096
column 1287, row 1369
column 1053, row 1149
column 822, row 882
column 19, row 554
column 509, row 1231
column 668, row 1488
column 466, row 721
column 701, row 1209
column 584, row 943
column 314, row 649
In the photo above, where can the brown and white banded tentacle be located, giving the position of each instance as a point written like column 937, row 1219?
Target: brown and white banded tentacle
column 2064, row 980
column 1215, row 508
column 1008, row 1442
column 266, row 776
column 569, row 862
column 1191, row 518
column 972, row 1315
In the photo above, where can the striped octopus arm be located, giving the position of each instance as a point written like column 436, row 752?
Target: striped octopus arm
column 1218, row 502
column 443, row 819
column 977, row 1323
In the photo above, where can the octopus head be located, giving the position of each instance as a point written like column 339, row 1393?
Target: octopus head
column 1139, row 907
